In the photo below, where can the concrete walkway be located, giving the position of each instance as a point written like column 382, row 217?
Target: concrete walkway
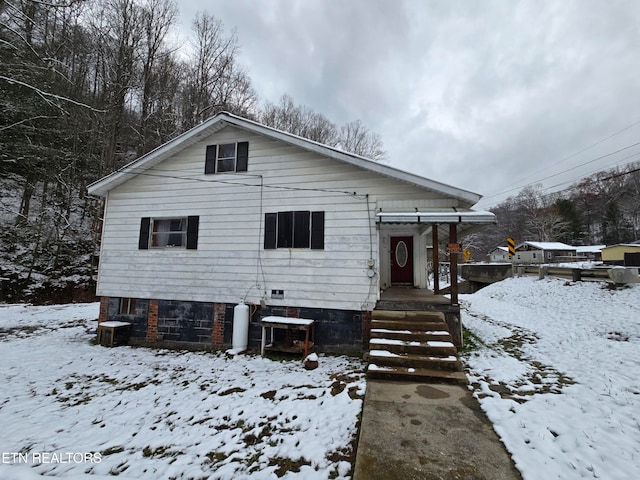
column 427, row 431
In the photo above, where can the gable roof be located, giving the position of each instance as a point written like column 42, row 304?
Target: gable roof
column 221, row 120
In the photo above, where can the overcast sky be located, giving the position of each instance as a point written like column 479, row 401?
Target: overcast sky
column 487, row 96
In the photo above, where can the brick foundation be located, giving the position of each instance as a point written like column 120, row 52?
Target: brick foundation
column 152, row 321
column 210, row 325
column 104, row 310
column 217, row 333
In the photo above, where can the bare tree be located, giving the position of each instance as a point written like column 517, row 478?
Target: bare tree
column 214, row 82
column 158, row 17
column 117, row 31
column 299, row 120
column 356, row 138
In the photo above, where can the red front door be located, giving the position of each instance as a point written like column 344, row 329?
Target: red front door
column 402, row 261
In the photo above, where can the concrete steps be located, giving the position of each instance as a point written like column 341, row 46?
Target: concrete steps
column 416, row 374
column 415, row 335
column 412, row 345
column 431, row 362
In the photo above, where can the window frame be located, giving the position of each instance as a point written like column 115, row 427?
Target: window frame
column 127, row 306
column 171, row 234
column 240, row 158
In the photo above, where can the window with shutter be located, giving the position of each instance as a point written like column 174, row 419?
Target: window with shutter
column 180, row 232
column 317, row 231
column 296, row 229
column 227, row 158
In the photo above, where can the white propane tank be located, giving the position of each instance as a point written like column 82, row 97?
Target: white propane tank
column 240, row 327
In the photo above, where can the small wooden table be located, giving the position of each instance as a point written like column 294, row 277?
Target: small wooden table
column 113, row 333
column 286, row 323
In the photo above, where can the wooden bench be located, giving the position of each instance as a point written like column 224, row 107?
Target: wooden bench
column 285, row 323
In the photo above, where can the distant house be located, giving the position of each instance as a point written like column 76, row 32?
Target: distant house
column 499, row 255
column 590, row 252
column 544, row 252
column 627, row 254
column 233, row 211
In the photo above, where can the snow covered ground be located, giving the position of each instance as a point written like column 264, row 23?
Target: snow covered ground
column 556, row 368
column 83, row 411
column 558, row 373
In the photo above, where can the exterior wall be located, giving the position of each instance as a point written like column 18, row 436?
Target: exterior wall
column 210, row 325
column 531, row 256
column 499, row 256
column 230, row 263
column 615, row 253
column 542, row 256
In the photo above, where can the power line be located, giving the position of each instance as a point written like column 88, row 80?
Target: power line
column 628, row 127
column 228, row 182
column 565, row 171
column 574, row 180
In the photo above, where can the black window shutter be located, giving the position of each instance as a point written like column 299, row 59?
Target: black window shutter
column 301, row 232
column 192, row 232
column 317, row 230
column 242, row 157
column 143, row 241
column 285, row 229
column 210, row 159
column 270, row 221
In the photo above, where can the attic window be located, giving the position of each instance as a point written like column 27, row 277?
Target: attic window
column 226, row 158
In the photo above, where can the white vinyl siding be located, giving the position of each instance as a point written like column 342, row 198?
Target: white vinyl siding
column 230, row 263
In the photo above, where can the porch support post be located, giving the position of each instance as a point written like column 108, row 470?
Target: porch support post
column 436, row 264
column 453, row 259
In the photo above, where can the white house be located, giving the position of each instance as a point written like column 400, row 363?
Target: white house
column 234, row 211
column 543, row 252
column 499, row 255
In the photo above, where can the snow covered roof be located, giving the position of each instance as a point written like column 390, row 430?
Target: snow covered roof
column 221, row 120
column 502, row 249
column 548, row 246
column 590, row 248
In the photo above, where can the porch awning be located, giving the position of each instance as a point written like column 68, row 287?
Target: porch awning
column 478, row 217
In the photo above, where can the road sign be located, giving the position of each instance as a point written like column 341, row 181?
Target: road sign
column 454, row 248
column 511, row 245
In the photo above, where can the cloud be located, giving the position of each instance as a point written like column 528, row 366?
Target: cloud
column 475, row 94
